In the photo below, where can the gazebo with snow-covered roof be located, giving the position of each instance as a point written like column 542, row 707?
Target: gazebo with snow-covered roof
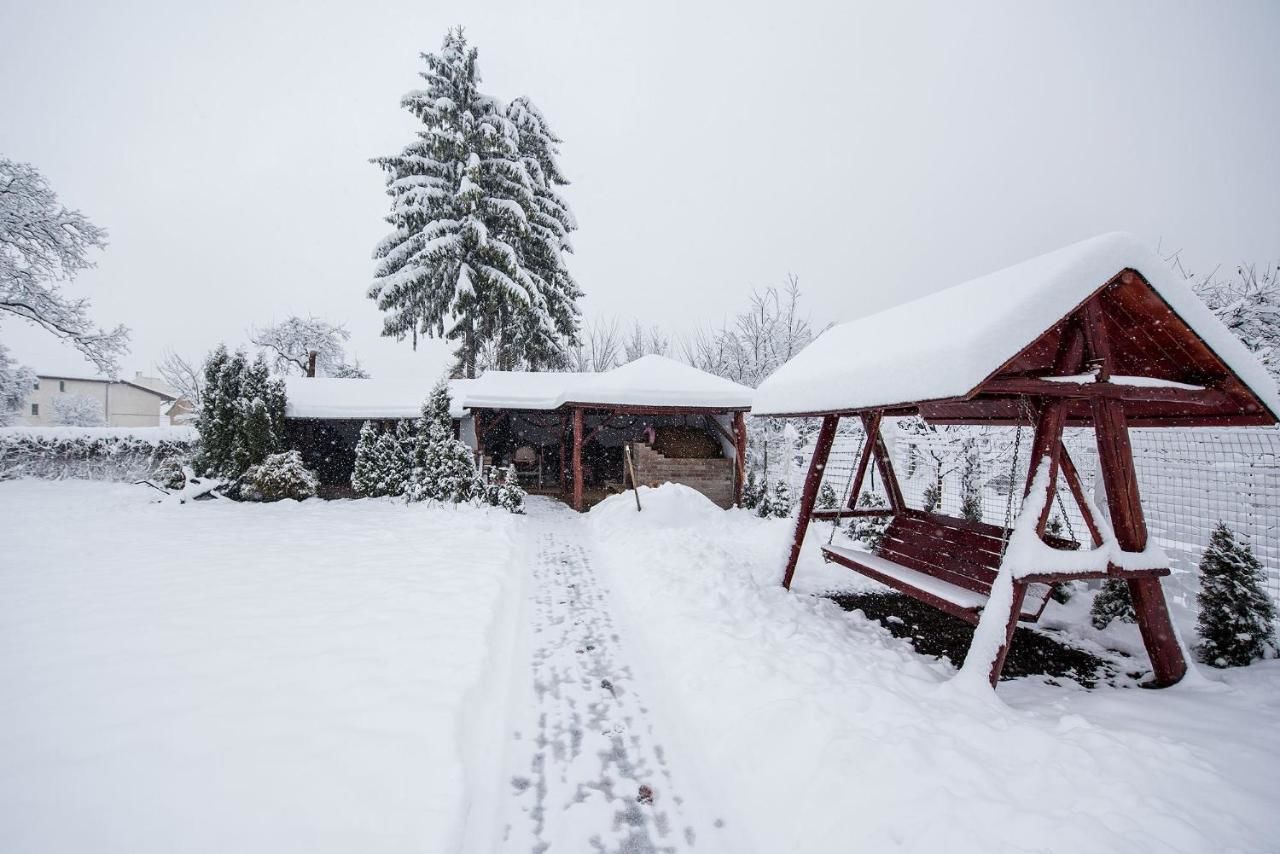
column 1100, row 335
column 571, row 429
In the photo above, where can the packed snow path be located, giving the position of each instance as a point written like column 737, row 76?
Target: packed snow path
column 588, row 768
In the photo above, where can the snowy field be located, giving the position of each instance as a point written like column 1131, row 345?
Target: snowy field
column 369, row 676
column 252, row 678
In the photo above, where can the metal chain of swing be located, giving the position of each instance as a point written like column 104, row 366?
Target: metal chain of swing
column 1013, row 477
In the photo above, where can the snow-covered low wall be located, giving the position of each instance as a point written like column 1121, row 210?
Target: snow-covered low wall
column 90, row 453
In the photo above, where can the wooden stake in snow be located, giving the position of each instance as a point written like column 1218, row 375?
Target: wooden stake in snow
column 631, row 471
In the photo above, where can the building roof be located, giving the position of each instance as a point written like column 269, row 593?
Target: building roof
column 650, row 381
column 108, row 381
column 946, row 344
column 334, row 398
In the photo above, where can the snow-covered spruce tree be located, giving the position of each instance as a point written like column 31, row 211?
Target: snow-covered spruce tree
column 242, row 419
column 511, row 494
column 383, row 461
column 476, row 250
column 442, row 466
column 752, row 492
column 780, row 500
column 970, row 482
column 77, row 410
column 16, row 384
column 827, row 499
column 1237, row 617
column 869, row 529
column 1112, row 603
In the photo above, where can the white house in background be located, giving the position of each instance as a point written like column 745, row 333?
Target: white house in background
column 140, row 402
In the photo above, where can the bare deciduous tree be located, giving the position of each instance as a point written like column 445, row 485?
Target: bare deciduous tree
column 43, row 244
column 599, row 347
column 184, row 377
column 645, row 342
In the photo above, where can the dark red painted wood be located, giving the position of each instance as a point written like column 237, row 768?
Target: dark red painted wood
column 871, row 423
column 577, row 459
column 740, row 460
column 821, row 450
column 1115, row 457
column 1072, row 477
column 1015, row 612
column 883, row 464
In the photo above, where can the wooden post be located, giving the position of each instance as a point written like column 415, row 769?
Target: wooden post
column 821, row 451
column 1115, row 458
column 577, row 458
column 1047, row 442
column 311, row 363
column 1019, row 596
column 740, row 450
column 564, row 453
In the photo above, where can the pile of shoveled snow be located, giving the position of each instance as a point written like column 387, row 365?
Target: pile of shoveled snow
column 828, row 734
column 315, row 676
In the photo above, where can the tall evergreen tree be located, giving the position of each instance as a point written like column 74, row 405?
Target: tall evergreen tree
column 442, row 466
column 242, row 419
column 1237, row 617
column 475, row 255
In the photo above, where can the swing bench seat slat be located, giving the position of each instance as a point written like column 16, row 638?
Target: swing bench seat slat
column 945, row 562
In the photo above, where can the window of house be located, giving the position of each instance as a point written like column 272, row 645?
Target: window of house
column 35, row 409
column 36, row 385
column 62, row 385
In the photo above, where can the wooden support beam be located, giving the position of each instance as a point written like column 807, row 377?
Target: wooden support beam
column 821, row 450
column 1047, row 443
column 740, row 453
column 1098, row 347
column 883, row 463
column 1019, row 596
column 1115, row 457
column 871, row 424
column 710, row 421
column 1072, row 476
column 577, row 459
column 564, row 453
column 1039, row 387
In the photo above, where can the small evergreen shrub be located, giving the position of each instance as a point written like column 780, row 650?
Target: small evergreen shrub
column 511, row 494
column 780, row 500
column 932, row 496
column 1237, row 617
column 383, row 461
column 1112, row 603
column 827, row 499
column 241, row 420
column 442, row 466
column 169, row 474
column 869, row 530
column 279, row 476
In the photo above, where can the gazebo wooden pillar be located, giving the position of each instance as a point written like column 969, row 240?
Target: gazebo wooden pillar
column 740, row 449
column 577, row 458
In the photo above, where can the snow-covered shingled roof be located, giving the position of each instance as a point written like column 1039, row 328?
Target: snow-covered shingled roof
column 648, row 381
column 325, row 397
column 944, row 344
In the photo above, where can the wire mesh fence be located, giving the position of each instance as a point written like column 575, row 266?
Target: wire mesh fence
column 1190, row 479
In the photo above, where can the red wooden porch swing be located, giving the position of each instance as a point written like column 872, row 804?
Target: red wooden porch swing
column 1122, row 357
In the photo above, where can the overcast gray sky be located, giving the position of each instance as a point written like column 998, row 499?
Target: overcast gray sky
column 877, row 151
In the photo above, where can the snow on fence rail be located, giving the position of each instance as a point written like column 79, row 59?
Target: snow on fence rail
column 90, row 453
column 1190, row 479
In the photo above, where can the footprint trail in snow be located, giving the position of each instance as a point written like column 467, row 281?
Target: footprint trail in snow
column 589, row 773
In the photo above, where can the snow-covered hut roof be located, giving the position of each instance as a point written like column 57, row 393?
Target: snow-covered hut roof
column 650, row 381
column 328, row 397
column 946, row 344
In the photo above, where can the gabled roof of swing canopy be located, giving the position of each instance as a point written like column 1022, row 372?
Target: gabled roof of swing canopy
column 650, row 382
column 945, row 346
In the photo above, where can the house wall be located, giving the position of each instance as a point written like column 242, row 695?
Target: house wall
column 124, row 405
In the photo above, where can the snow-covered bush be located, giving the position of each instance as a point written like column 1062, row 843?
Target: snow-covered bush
column 241, row 421
column 1112, row 603
column 16, row 384
column 777, row 503
column 101, row 453
column 383, row 460
column 442, row 466
column 77, row 410
column 1237, row 617
column 869, row 530
column 169, row 474
column 277, row 477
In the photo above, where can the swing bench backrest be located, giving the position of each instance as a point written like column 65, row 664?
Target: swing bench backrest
column 946, row 562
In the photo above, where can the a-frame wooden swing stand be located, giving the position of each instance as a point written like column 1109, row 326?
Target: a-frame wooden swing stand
column 1120, row 358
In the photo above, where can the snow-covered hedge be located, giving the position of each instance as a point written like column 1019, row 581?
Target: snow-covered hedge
column 91, row 453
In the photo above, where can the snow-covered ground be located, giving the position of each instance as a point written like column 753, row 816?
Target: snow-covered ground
column 825, row 733
column 251, row 678
column 370, row 676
